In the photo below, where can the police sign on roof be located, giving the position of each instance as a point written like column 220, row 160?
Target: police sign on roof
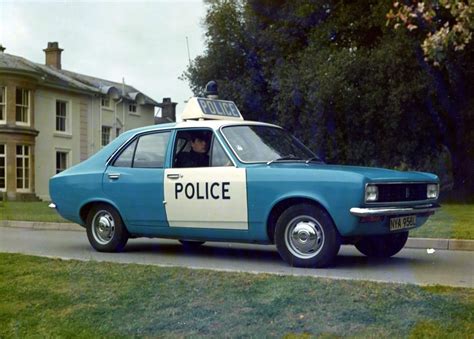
column 201, row 108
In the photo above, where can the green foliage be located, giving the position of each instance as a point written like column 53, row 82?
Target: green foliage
column 363, row 115
column 447, row 25
column 332, row 72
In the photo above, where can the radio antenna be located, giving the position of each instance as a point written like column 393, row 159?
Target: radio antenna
column 189, row 55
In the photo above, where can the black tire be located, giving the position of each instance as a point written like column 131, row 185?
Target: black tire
column 105, row 229
column 382, row 246
column 315, row 241
column 191, row 243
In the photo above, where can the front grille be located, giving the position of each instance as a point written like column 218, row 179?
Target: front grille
column 401, row 192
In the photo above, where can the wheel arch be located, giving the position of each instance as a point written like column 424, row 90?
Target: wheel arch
column 280, row 206
column 84, row 210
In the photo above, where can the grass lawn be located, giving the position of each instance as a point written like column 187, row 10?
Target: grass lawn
column 453, row 221
column 29, row 211
column 53, row 298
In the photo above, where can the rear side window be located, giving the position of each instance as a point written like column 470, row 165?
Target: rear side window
column 151, row 150
column 125, row 159
column 148, row 151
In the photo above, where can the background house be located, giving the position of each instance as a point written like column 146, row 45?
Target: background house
column 51, row 119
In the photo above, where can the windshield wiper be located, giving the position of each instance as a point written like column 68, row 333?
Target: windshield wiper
column 316, row 159
column 287, row 157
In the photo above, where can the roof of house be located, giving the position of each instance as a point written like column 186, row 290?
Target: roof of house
column 77, row 81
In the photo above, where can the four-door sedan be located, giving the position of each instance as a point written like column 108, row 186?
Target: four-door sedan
column 216, row 177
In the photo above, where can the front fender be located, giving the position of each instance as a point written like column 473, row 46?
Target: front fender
column 338, row 209
column 266, row 188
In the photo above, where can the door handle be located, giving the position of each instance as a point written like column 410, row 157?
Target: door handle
column 174, row 176
column 114, row 176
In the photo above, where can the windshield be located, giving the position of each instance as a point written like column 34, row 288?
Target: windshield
column 265, row 144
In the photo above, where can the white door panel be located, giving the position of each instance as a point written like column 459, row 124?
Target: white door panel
column 206, row 197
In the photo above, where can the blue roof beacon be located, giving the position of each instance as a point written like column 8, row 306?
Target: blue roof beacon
column 211, row 90
column 242, row 181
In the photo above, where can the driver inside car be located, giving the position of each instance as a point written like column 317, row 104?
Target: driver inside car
column 197, row 156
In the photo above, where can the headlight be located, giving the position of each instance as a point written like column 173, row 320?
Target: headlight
column 371, row 193
column 432, row 191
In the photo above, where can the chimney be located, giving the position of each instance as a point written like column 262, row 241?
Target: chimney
column 2, row 49
column 53, row 55
column 168, row 110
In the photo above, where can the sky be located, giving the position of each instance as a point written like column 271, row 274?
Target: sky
column 143, row 42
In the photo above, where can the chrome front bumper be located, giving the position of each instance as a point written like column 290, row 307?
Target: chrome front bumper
column 382, row 211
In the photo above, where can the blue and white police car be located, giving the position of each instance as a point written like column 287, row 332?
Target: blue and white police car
column 217, row 177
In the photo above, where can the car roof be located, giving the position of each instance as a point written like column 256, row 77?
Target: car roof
column 213, row 124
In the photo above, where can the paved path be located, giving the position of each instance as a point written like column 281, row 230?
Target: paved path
column 423, row 243
column 416, row 266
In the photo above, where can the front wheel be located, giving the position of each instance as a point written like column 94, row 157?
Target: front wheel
column 105, row 229
column 306, row 236
column 382, row 246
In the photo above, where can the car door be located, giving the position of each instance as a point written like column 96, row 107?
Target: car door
column 134, row 180
column 213, row 197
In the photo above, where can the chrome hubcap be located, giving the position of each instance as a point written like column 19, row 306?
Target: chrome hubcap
column 304, row 237
column 103, row 227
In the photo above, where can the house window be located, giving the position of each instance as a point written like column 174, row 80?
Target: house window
column 3, row 167
column 61, row 116
column 105, row 135
column 118, row 130
column 61, row 161
column 132, row 108
column 22, row 167
column 22, row 105
column 105, row 102
column 3, row 104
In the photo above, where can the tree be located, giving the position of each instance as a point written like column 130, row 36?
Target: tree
column 447, row 25
column 443, row 30
column 355, row 90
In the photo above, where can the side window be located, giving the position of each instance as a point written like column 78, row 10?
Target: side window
column 151, row 150
column 192, row 148
column 218, row 156
column 126, row 157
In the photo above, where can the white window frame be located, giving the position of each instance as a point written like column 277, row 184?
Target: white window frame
column 4, row 104
column 67, row 123
column 28, row 108
column 4, row 155
column 23, row 157
column 105, row 99
column 137, row 109
column 102, row 135
column 68, row 159
column 134, row 106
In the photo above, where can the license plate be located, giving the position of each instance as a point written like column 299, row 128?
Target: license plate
column 402, row 222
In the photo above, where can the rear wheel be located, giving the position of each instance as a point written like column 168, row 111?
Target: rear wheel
column 382, row 246
column 105, row 229
column 305, row 236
